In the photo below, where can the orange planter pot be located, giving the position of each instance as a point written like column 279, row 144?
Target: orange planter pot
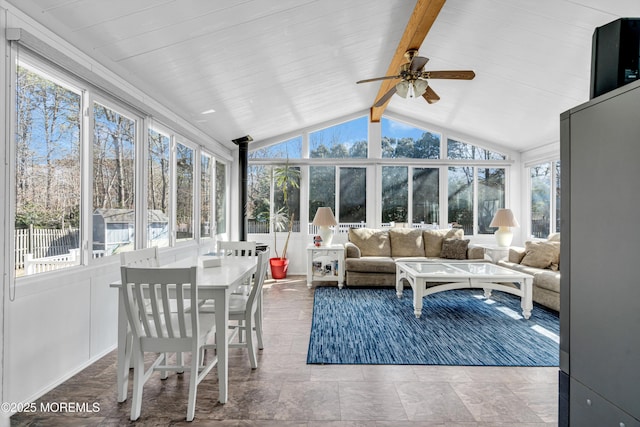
column 279, row 267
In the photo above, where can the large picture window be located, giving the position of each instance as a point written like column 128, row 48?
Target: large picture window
column 113, row 182
column 47, row 173
column 76, row 164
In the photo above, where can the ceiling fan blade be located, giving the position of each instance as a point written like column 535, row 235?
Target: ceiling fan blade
column 418, row 63
column 380, row 102
column 378, row 78
column 455, row 74
column 430, row 96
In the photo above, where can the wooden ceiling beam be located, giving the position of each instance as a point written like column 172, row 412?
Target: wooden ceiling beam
column 423, row 16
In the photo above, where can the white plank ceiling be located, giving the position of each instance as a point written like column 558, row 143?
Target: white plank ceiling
column 271, row 67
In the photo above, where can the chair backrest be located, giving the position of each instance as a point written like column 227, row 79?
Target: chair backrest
column 237, row 249
column 169, row 296
column 141, row 258
column 258, row 279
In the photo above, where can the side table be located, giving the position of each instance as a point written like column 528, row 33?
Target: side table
column 325, row 263
column 495, row 253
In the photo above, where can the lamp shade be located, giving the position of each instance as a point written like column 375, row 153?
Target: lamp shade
column 504, row 218
column 324, row 218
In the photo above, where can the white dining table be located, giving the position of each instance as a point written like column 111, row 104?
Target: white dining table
column 214, row 283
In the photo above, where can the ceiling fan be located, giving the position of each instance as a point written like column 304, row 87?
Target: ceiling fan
column 414, row 81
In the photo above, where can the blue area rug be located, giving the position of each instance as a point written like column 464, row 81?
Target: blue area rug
column 460, row 327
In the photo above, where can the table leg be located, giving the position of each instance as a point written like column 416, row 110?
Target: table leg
column 124, row 349
column 399, row 285
column 418, row 293
column 527, row 297
column 221, row 299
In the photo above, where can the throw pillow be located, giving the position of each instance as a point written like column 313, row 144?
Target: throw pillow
column 542, row 255
column 433, row 240
column 454, row 248
column 554, row 237
column 370, row 241
column 406, row 242
column 516, row 255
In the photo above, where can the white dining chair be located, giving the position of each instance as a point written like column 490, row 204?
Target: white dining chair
column 236, row 248
column 183, row 330
column 245, row 309
column 148, row 257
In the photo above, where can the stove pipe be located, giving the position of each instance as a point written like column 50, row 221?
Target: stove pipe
column 243, row 164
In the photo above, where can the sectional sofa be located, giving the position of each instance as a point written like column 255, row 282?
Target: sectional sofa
column 541, row 259
column 370, row 253
column 370, row 256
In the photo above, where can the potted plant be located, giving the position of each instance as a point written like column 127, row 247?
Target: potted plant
column 285, row 178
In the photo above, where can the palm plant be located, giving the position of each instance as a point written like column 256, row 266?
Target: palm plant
column 285, row 178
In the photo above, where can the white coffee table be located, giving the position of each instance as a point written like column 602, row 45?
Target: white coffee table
column 428, row 278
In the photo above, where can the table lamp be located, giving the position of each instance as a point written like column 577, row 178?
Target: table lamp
column 504, row 220
column 324, row 219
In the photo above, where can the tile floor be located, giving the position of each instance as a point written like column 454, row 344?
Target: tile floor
column 285, row 391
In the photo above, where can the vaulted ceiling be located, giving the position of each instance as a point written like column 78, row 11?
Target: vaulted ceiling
column 271, row 67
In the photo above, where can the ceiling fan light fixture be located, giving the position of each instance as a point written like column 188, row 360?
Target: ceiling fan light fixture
column 411, row 93
column 402, row 88
column 420, row 86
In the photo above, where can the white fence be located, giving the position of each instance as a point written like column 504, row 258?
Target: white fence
column 39, row 265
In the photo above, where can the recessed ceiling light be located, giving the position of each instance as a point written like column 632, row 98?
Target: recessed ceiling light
column 208, row 111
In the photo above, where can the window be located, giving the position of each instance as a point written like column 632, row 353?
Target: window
column 258, row 198
column 462, row 150
column 545, row 199
column 353, row 195
column 290, row 149
column 57, row 195
column 286, row 193
column 395, row 202
column 184, row 192
column 205, row 195
column 426, row 195
column 400, row 140
column 113, row 182
column 47, row 172
column 158, row 185
column 491, row 186
column 221, row 198
column 461, row 198
column 322, row 189
column 346, row 140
